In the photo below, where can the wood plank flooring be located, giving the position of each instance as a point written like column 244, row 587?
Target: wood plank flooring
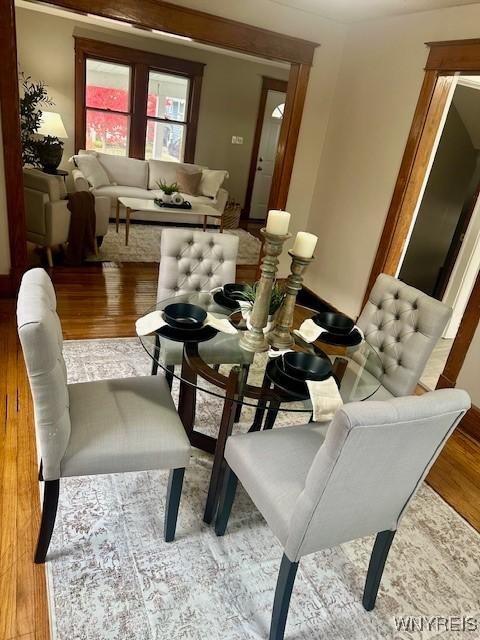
column 103, row 301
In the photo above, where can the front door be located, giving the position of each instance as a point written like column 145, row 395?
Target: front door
column 267, row 152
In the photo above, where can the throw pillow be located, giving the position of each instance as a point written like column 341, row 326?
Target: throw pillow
column 92, row 170
column 211, row 182
column 188, row 181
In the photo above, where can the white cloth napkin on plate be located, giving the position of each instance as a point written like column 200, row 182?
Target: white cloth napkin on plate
column 154, row 321
column 325, row 398
column 274, row 353
column 311, row 331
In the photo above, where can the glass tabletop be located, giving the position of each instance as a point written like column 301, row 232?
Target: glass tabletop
column 207, row 363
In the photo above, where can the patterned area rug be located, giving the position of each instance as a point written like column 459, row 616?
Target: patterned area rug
column 111, row 576
column 144, row 245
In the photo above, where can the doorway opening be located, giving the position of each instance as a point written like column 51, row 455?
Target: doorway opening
column 441, row 256
column 264, row 150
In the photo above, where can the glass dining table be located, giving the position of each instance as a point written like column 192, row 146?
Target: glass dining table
column 214, row 363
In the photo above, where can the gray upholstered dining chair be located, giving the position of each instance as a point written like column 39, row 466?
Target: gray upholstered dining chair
column 403, row 324
column 90, row 428
column 192, row 261
column 319, row 486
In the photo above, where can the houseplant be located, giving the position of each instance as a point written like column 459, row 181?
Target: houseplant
column 249, row 294
column 168, row 190
column 43, row 152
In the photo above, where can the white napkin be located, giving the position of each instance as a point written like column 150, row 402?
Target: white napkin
column 154, row 321
column 274, row 353
column 325, row 398
column 311, row 331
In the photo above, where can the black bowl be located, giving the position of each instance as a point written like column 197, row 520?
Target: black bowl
column 184, row 316
column 234, row 291
column 334, row 322
column 306, row 366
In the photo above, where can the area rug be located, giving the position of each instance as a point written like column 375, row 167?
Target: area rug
column 111, row 575
column 144, row 245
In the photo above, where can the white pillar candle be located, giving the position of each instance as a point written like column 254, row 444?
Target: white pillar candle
column 304, row 245
column 277, row 222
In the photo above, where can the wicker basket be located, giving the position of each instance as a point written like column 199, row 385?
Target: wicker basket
column 231, row 215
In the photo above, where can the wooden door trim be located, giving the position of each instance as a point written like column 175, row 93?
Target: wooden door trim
column 12, row 149
column 154, row 14
column 444, row 59
column 268, row 84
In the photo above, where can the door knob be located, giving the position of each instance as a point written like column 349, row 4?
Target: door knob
column 259, row 168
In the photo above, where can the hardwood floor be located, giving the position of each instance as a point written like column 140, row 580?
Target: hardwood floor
column 100, row 301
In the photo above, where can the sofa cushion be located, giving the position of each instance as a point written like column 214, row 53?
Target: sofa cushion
column 117, row 191
column 125, row 171
column 92, row 169
column 188, row 181
column 167, row 171
column 211, row 182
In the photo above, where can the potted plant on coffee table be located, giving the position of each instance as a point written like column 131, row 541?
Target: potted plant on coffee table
column 168, row 190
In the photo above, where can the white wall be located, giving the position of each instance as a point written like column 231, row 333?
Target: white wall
column 377, row 90
column 4, row 246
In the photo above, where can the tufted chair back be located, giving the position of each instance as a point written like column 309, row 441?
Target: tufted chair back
column 193, row 261
column 41, row 337
column 403, row 324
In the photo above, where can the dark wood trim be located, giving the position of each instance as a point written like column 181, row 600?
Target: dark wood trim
column 140, row 63
column 6, row 288
column 454, row 55
column 470, row 423
column 12, row 150
column 288, row 138
column 464, row 337
column 201, row 26
column 268, row 84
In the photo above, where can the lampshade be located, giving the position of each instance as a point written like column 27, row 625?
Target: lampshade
column 51, row 124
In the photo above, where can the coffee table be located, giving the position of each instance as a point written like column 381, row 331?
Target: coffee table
column 148, row 206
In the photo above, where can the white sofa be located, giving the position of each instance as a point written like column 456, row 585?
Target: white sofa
column 133, row 178
column 47, row 214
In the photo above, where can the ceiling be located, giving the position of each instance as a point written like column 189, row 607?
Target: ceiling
column 354, row 10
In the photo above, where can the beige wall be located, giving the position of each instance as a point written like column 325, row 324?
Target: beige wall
column 4, row 247
column 230, row 91
column 377, row 90
column 469, row 377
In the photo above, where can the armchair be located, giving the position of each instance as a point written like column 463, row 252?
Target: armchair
column 47, row 214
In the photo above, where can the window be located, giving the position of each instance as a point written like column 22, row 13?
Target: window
column 135, row 103
column 278, row 111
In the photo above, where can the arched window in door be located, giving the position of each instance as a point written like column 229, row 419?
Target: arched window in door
column 278, row 111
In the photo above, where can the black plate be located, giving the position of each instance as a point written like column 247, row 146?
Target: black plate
column 306, row 366
column 337, row 323
column 183, row 315
column 221, row 299
column 296, row 389
column 180, row 335
column 234, row 291
column 350, row 340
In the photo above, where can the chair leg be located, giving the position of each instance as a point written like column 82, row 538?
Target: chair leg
column 49, row 512
column 170, row 370
column 283, row 593
column 230, row 482
column 174, row 492
column 156, row 355
column 381, row 547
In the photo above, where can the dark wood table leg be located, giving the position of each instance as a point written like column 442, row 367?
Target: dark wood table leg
column 339, row 367
column 261, row 407
column 244, row 369
column 187, row 398
column 271, row 414
column 226, row 426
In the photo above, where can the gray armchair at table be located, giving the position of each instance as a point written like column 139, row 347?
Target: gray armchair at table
column 320, row 486
column 107, row 426
column 193, row 261
column 403, row 324
column 47, row 214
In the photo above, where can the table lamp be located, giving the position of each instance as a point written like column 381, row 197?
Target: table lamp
column 50, row 149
